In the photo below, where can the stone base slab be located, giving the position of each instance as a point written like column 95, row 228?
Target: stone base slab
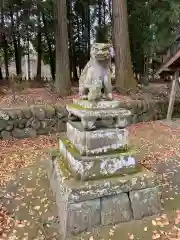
column 83, row 205
column 96, row 167
column 97, row 113
column 96, row 141
column 102, row 104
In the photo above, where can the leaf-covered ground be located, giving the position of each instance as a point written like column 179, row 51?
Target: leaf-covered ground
column 27, row 209
column 42, row 95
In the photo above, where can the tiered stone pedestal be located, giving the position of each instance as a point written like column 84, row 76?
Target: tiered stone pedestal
column 95, row 167
column 95, row 177
column 86, row 204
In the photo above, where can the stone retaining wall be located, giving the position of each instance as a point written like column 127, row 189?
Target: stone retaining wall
column 31, row 121
column 44, row 119
column 150, row 111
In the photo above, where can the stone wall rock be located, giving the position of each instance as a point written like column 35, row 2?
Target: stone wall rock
column 143, row 111
column 31, row 121
column 45, row 119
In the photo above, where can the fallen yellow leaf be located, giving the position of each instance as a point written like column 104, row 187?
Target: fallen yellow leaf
column 154, row 223
column 145, row 229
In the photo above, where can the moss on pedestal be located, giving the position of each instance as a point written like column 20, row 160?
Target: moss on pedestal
column 78, row 107
column 124, row 151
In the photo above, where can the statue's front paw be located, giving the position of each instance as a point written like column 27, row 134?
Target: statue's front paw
column 110, row 96
column 84, row 97
column 88, row 125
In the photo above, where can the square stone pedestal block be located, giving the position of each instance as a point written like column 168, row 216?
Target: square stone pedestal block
column 96, row 141
column 96, row 167
column 145, row 202
column 116, row 209
column 83, row 205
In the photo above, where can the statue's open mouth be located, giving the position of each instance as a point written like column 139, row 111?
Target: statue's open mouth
column 103, row 56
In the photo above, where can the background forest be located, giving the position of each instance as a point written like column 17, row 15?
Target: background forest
column 152, row 26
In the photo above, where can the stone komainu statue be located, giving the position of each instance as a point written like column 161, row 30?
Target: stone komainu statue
column 95, row 80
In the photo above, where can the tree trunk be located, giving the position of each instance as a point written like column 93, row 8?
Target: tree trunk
column 78, row 42
column 52, row 63
column 28, row 58
column 124, row 73
column 104, row 12
column 70, row 37
column 89, row 30
column 1, row 75
column 99, row 12
column 18, row 43
column 62, row 82
column 39, row 57
column 110, row 9
column 5, row 45
column 15, row 44
column 39, row 49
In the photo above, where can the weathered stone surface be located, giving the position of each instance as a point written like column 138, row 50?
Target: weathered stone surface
column 9, row 127
column 96, row 167
column 29, row 122
column 38, row 112
column 60, row 126
column 102, row 104
column 3, row 124
column 145, row 202
column 36, row 124
column 24, row 133
column 60, row 115
column 83, row 205
column 96, row 74
column 52, row 122
column 116, row 209
column 97, row 113
column 30, row 132
column 17, row 121
column 82, row 191
column 22, row 123
column 99, row 141
column 44, row 124
column 94, row 118
column 6, row 135
column 18, row 133
column 27, row 112
column 19, row 114
column 12, row 114
column 61, row 109
column 44, row 131
column 50, row 111
column 4, row 115
column 82, row 216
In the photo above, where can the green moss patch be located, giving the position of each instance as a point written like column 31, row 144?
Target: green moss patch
column 78, row 107
column 125, row 151
column 64, row 168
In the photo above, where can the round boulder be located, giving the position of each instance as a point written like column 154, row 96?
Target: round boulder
column 3, row 124
column 6, row 135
